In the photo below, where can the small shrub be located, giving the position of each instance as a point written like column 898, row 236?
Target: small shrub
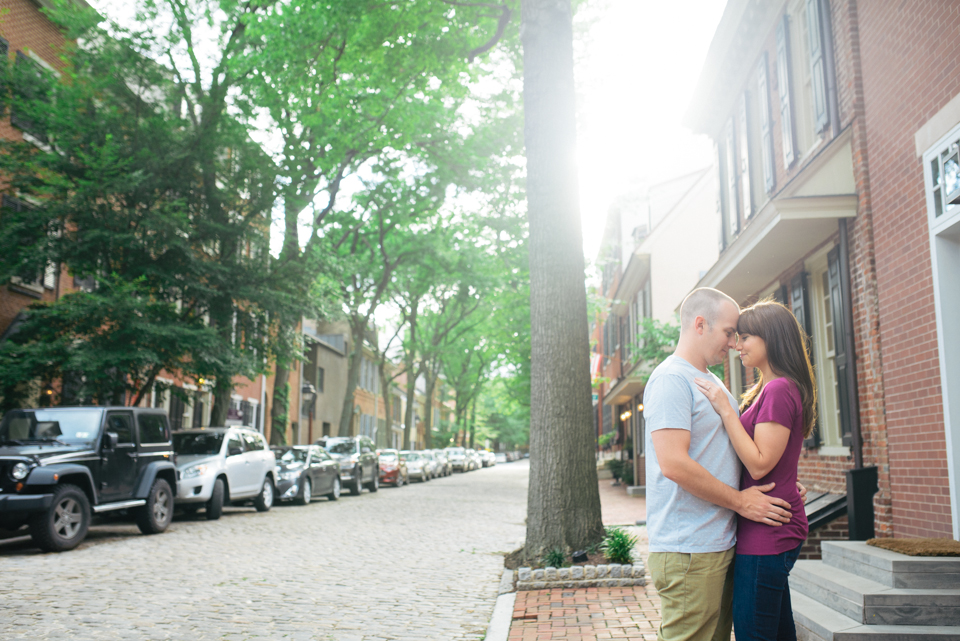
column 617, row 546
column 605, row 439
column 615, row 466
column 627, row 474
column 554, row 558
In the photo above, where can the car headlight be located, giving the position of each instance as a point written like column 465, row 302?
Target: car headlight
column 290, row 476
column 19, row 471
column 194, row 471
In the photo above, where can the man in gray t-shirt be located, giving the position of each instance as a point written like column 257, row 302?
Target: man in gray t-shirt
column 692, row 478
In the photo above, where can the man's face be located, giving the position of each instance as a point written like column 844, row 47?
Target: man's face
column 722, row 337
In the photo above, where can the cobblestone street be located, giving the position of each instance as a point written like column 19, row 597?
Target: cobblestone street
column 419, row 563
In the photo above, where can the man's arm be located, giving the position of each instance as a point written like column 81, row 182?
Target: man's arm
column 673, row 453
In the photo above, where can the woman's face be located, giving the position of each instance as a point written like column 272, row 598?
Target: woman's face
column 753, row 350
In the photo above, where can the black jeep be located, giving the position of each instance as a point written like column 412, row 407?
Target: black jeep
column 57, row 465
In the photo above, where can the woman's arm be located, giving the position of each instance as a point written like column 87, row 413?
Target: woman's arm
column 759, row 454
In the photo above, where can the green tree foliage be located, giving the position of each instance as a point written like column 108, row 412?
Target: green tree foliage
column 143, row 179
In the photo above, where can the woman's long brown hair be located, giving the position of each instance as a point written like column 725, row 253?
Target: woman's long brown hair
column 787, row 354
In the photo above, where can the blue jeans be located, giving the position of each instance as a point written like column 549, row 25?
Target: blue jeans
column 761, row 597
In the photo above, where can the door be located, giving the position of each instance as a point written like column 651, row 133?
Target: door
column 238, row 468
column 260, row 458
column 119, row 468
column 322, row 469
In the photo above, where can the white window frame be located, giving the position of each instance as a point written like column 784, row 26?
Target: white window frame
column 804, row 118
column 945, row 258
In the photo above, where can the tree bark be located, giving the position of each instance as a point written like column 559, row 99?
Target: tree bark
column 279, row 407
column 358, row 329
column 473, row 422
column 563, row 500
column 428, row 419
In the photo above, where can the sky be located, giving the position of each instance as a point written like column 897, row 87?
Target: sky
column 637, row 67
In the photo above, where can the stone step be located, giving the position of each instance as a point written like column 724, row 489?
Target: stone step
column 892, row 568
column 818, row 622
column 873, row 603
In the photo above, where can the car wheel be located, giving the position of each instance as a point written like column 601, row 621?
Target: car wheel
column 375, row 483
column 335, row 494
column 155, row 516
column 215, row 504
column 357, row 485
column 306, row 495
column 264, row 500
column 64, row 525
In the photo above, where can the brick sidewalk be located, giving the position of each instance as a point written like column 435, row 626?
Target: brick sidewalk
column 594, row 613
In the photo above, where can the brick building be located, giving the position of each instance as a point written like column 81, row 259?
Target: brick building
column 835, row 123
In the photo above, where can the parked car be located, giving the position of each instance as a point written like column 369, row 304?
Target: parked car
column 305, row 471
column 474, row 458
column 416, row 465
column 458, row 459
column 442, row 462
column 488, row 457
column 221, row 465
column 59, row 466
column 433, row 467
column 393, row 469
column 357, row 456
column 501, row 457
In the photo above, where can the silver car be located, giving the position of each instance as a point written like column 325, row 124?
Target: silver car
column 458, row 459
column 432, row 465
column 219, row 465
column 417, row 465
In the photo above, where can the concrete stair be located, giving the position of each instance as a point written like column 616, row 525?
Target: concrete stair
column 862, row 593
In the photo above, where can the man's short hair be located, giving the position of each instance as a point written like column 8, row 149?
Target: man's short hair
column 703, row 301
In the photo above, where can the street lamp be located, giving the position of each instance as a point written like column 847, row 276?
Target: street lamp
column 308, row 395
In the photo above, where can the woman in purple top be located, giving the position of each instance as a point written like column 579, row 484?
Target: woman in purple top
column 776, row 415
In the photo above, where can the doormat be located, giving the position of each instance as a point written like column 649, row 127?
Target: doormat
column 919, row 547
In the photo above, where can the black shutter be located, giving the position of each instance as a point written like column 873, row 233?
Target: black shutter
column 766, row 129
column 843, row 354
column 744, row 121
column 800, row 306
column 818, row 70
column 783, row 88
column 782, row 295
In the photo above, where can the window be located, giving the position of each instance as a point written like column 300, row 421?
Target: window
column 121, row 425
column 731, row 208
column 945, row 175
column 801, row 66
column 746, row 154
column 30, row 90
column 765, row 133
column 153, row 428
column 253, row 442
column 234, row 444
column 785, row 91
column 319, row 380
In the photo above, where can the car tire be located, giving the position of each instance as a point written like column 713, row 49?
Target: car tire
column 399, row 482
column 155, row 516
column 357, row 487
column 264, row 500
column 335, row 494
column 306, row 494
column 215, row 504
column 374, row 485
column 65, row 523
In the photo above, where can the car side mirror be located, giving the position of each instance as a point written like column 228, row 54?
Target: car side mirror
column 110, row 441
column 234, row 451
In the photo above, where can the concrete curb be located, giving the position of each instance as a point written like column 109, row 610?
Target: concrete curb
column 499, row 628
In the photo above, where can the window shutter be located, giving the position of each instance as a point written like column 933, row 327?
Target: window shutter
column 745, row 158
column 843, row 354
column 818, row 72
column 766, row 135
column 800, row 306
column 783, row 88
column 730, row 165
column 721, row 214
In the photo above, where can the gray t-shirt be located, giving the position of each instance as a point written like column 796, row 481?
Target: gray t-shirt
column 678, row 521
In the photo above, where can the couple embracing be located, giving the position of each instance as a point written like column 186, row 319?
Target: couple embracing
column 725, row 512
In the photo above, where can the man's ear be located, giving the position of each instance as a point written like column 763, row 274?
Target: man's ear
column 700, row 324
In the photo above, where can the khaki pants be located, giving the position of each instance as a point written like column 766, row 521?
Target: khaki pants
column 696, row 594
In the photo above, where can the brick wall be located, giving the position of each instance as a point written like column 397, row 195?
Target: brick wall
column 910, row 59
column 833, row 531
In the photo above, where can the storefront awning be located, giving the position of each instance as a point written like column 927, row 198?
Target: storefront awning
column 782, row 233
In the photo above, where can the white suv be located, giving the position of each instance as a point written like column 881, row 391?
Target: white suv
column 218, row 465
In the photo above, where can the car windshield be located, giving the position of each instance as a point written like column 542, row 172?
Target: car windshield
column 73, row 426
column 290, row 456
column 455, row 451
column 410, row 456
column 341, row 446
column 197, row 443
column 388, row 456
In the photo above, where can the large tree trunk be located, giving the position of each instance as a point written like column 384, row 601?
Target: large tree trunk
column 385, row 439
column 473, row 422
column 358, row 328
column 281, row 402
column 563, row 499
column 428, row 419
column 410, row 416
column 222, row 395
